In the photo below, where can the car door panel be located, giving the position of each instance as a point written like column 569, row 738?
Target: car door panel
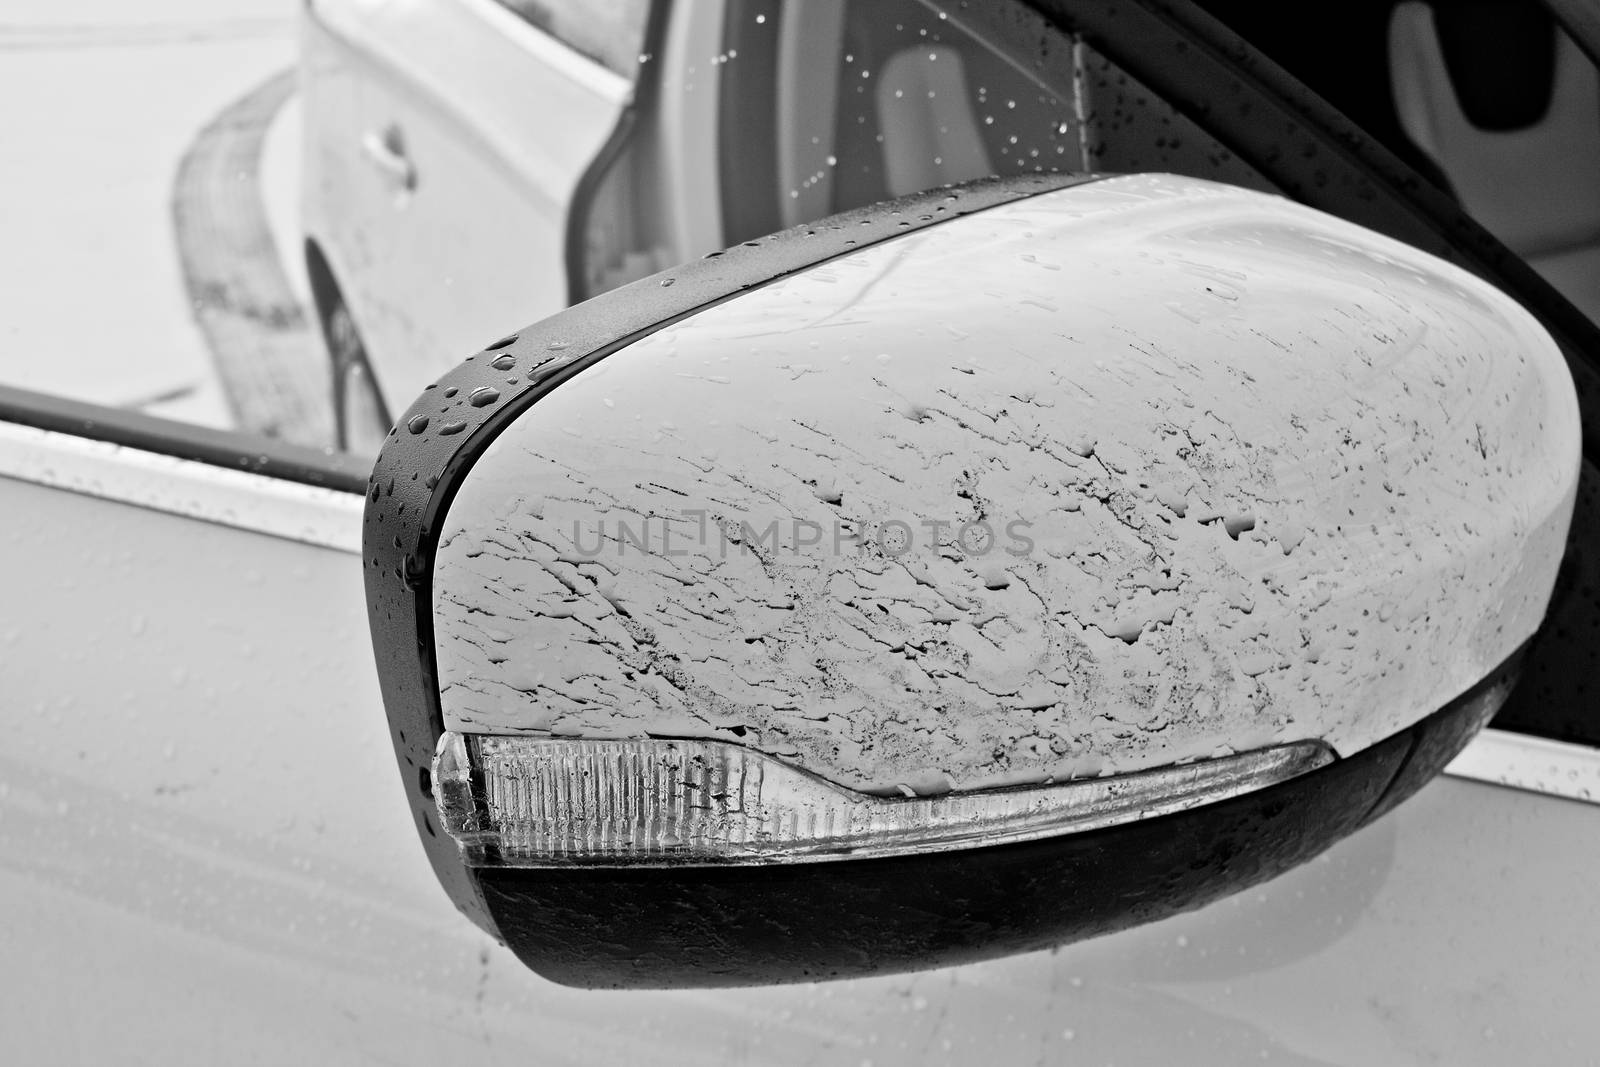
column 486, row 110
column 205, row 853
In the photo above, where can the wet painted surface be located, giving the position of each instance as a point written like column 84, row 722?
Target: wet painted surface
column 1167, row 467
column 1558, row 768
column 206, row 855
column 243, row 498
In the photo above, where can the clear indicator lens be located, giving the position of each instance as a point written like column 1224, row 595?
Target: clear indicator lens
column 532, row 802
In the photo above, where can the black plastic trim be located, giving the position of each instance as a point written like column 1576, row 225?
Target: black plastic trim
column 436, row 442
column 218, row 448
column 646, row 93
column 748, row 179
column 727, row 926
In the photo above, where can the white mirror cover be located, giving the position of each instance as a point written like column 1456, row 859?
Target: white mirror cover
column 1137, row 472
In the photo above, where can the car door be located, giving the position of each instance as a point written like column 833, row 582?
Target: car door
column 500, row 104
column 205, row 856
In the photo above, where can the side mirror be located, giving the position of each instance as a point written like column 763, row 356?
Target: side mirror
column 998, row 567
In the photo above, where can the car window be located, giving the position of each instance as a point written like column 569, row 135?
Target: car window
column 834, row 104
column 610, row 32
column 1493, row 102
column 1507, row 107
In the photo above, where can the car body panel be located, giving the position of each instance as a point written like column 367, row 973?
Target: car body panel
column 514, row 140
column 205, row 854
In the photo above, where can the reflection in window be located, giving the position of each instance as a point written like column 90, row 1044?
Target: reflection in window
column 607, row 31
column 834, row 104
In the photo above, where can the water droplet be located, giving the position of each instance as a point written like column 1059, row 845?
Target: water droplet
column 667, row 281
column 483, row 396
column 505, row 362
column 418, row 424
column 452, row 427
column 1238, row 523
column 556, row 346
column 503, row 342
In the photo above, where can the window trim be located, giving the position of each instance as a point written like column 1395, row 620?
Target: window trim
column 1531, row 764
column 241, row 499
column 264, row 457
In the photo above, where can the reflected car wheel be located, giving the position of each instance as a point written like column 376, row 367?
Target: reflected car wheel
column 361, row 419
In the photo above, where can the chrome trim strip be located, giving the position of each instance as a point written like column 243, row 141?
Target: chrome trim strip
column 241, row 499
column 1532, row 764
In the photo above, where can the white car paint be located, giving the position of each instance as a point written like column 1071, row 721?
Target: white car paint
column 205, row 856
column 237, row 498
column 1314, row 487
column 382, row 79
column 101, row 103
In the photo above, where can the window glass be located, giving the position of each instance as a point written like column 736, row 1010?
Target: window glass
column 1492, row 101
column 833, row 105
column 607, row 31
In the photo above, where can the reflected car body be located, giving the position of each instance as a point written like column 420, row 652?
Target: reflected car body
column 396, row 140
